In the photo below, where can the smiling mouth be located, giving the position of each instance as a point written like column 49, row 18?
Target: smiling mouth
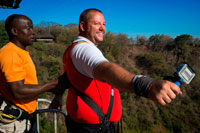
column 100, row 33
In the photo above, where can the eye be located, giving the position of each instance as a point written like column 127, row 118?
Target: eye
column 30, row 28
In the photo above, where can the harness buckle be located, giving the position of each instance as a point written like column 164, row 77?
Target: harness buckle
column 105, row 124
column 9, row 113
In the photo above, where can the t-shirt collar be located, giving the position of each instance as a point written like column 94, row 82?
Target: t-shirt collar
column 81, row 38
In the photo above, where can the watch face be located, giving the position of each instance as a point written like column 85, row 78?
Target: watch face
column 186, row 73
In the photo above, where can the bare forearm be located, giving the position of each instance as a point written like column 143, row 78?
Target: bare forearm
column 114, row 75
column 26, row 91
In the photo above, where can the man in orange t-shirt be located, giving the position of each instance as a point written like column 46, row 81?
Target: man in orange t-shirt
column 18, row 79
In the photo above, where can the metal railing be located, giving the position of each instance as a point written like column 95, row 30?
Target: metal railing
column 54, row 111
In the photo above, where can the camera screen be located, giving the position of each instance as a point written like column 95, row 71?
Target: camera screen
column 186, row 74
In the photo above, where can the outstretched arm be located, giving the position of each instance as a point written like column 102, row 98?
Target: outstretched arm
column 114, row 75
column 160, row 91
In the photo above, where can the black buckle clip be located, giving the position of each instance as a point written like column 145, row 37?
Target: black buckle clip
column 105, row 124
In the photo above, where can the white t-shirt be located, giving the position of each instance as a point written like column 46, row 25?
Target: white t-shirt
column 86, row 56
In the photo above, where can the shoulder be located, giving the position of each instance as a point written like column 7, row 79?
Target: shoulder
column 10, row 49
column 11, row 53
column 84, row 48
column 7, row 51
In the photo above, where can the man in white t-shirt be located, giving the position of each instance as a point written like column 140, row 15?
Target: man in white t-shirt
column 92, row 74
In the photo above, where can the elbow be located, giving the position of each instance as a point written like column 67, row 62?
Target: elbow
column 17, row 96
column 17, row 90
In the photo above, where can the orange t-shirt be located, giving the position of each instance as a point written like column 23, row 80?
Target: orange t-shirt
column 15, row 65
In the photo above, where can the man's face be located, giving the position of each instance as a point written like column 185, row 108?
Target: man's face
column 95, row 28
column 24, row 31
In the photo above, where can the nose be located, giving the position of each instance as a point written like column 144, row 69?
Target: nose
column 32, row 32
column 102, row 27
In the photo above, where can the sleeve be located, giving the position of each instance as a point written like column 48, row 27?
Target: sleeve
column 86, row 57
column 12, row 66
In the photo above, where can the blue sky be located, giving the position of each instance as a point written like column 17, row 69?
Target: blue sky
column 131, row 17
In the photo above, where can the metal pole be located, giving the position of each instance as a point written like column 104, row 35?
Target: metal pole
column 55, row 122
column 37, row 115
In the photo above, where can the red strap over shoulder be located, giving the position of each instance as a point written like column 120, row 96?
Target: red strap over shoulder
column 66, row 54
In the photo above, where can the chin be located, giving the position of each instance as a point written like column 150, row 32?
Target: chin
column 100, row 39
column 30, row 44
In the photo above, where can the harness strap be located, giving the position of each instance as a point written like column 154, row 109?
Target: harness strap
column 10, row 112
column 102, row 116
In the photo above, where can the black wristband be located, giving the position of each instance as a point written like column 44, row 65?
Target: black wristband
column 141, row 84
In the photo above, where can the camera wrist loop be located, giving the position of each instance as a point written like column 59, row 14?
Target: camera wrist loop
column 141, row 85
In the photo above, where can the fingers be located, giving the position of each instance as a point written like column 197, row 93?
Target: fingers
column 56, row 102
column 171, row 94
column 163, row 99
column 175, row 89
column 60, row 107
column 163, row 92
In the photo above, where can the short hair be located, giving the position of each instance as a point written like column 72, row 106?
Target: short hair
column 85, row 15
column 9, row 22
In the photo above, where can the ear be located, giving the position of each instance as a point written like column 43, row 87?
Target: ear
column 83, row 26
column 14, row 31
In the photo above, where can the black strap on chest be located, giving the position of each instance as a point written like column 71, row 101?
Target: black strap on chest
column 102, row 116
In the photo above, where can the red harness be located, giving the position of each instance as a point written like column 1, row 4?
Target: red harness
column 96, row 90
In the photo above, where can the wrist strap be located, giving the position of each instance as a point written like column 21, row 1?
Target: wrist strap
column 141, row 84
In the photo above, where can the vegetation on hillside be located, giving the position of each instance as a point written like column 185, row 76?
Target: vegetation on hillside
column 157, row 56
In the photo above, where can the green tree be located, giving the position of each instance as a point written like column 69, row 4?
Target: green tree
column 158, row 42
column 182, row 47
column 108, row 46
column 141, row 40
column 3, row 34
column 68, row 35
column 122, row 39
column 196, row 42
column 55, row 30
column 154, row 63
column 108, row 42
